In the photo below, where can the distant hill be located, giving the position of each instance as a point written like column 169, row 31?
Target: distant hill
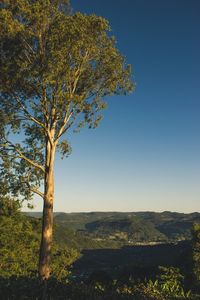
column 115, row 229
column 132, row 229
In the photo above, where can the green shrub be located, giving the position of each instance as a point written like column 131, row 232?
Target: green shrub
column 196, row 253
column 19, row 248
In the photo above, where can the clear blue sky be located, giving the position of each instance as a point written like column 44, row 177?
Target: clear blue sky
column 145, row 155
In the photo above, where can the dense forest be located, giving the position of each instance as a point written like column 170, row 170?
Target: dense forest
column 114, row 229
column 84, row 267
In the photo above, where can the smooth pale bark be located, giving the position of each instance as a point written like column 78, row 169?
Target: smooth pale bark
column 47, row 224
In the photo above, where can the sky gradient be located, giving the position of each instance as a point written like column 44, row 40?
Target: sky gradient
column 145, row 155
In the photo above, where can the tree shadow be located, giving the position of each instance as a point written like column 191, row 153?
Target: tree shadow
column 137, row 261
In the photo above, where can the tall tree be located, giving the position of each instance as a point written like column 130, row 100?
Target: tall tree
column 56, row 69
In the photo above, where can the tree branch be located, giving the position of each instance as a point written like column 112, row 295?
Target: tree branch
column 36, row 191
column 29, row 116
column 65, row 121
column 21, row 155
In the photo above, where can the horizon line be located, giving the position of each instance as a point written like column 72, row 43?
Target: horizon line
column 115, row 211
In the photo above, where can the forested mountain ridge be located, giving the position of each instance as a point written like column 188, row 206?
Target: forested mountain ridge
column 113, row 229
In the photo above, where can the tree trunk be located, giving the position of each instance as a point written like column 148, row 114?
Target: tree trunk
column 47, row 224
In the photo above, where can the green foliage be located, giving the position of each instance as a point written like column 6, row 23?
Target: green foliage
column 8, row 206
column 161, row 289
column 19, row 245
column 62, row 259
column 196, row 252
column 171, row 283
column 168, row 286
column 19, row 248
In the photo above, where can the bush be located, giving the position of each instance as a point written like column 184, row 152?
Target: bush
column 19, row 248
column 196, row 253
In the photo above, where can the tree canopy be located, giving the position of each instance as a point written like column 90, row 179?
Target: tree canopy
column 56, row 70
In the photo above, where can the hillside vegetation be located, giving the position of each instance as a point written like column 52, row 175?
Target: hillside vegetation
column 116, row 229
column 129, row 272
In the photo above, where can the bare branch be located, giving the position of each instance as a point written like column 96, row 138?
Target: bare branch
column 21, row 155
column 69, row 125
column 78, row 72
column 28, row 115
column 65, row 121
column 36, row 191
column 33, row 189
column 30, row 48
